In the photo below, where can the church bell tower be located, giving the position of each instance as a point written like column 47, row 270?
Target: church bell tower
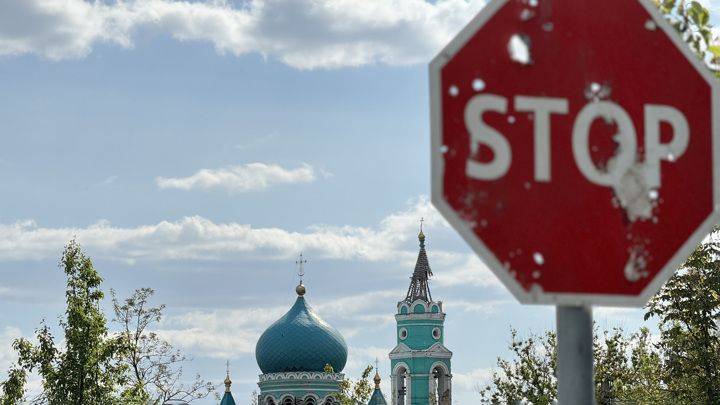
column 420, row 362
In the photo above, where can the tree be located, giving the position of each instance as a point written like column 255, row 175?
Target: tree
column 627, row 369
column 688, row 308
column 647, row 375
column 13, row 389
column 85, row 371
column 355, row 393
column 529, row 376
column 154, row 365
column 94, row 366
column 611, row 365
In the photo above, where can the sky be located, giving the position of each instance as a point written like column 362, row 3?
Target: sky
column 196, row 147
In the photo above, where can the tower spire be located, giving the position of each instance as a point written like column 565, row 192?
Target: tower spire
column 228, row 382
column 377, row 378
column 300, row 262
column 419, row 286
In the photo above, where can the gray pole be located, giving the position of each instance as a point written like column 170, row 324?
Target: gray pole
column 575, row 356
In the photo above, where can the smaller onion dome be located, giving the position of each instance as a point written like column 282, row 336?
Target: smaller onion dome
column 228, row 383
column 227, row 398
column 300, row 341
column 377, row 397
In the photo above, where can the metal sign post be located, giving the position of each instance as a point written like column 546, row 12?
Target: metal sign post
column 575, row 355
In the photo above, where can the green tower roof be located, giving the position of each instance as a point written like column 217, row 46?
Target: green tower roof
column 228, row 399
column 419, row 288
column 377, row 398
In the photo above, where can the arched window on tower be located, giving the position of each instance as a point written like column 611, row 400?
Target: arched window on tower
column 288, row 401
column 269, row 401
column 329, row 401
column 440, row 386
column 402, row 381
column 309, row 401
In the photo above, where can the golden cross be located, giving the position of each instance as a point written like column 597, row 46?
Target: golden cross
column 301, row 261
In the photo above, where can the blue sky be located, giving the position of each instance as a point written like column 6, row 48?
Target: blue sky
column 198, row 147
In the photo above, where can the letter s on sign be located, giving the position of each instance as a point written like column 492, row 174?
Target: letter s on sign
column 481, row 133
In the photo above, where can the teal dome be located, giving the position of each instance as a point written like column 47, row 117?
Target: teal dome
column 227, row 399
column 377, row 398
column 300, row 341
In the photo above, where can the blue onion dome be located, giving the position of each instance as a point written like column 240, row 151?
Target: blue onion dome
column 300, row 341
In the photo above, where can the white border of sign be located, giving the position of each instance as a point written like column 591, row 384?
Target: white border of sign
column 538, row 296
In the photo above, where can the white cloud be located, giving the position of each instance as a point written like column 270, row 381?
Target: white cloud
column 360, row 357
column 469, row 381
column 200, row 238
column 231, row 333
column 483, row 307
column 302, row 33
column 108, row 181
column 359, row 304
column 241, row 178
column 467, row 269
column 221, row 333
column 617, row 315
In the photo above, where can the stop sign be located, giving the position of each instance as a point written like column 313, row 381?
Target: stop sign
column 575, row 147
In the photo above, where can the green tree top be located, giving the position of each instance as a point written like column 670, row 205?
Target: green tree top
column 86, row 371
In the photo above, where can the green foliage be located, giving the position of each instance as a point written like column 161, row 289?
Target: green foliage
column 93, row 366
column 530, row 375
column 358, row 392
column 611, row 365
column 692, row 21
column 627, row 369
column 646, row 372
column 13, row 389
column 688, row 308
column 86, row 371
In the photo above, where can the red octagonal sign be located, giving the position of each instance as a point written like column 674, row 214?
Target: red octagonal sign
column 575, row 147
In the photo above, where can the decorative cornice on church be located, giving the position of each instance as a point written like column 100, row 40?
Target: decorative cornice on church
column 428, row 305
column 318, row 400
column 438, row 316
column 302, row 375
column 437, row 350
column 402, row 347
column 425, row 375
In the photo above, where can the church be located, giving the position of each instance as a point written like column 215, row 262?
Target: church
column 302, row 357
